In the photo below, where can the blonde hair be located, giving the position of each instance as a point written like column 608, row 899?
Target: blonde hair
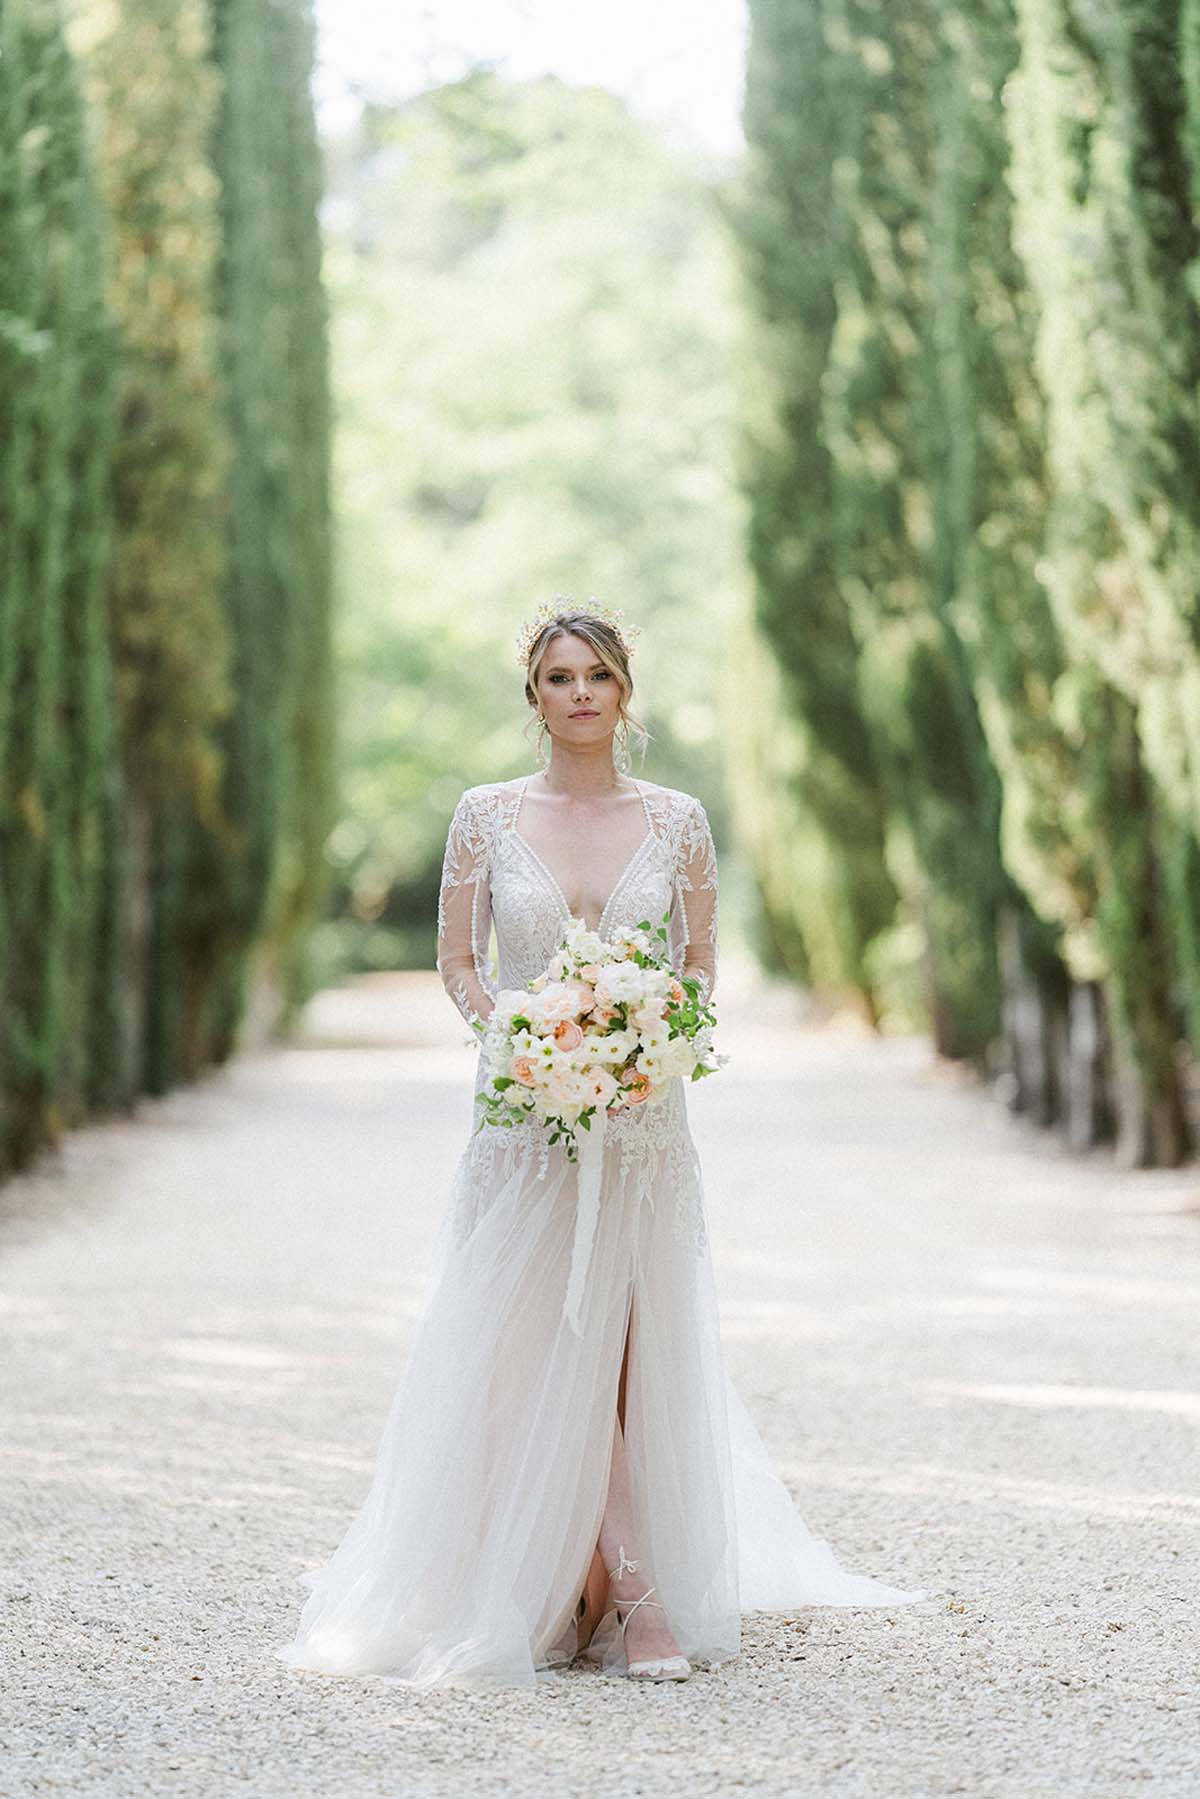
column 610, row 650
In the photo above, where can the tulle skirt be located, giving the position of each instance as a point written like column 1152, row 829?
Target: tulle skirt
column 466, row 1560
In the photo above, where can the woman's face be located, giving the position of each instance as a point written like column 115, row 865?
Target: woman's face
column 579, row 696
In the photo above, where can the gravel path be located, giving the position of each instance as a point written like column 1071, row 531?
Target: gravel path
column 973, row 1356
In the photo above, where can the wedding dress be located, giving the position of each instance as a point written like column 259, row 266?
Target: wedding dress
column 464, row 1564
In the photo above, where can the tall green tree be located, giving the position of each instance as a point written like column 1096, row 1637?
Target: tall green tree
column 156, row 94
column 881, row 420
column 1105, row 227
column 785, row 216
column 989, row 488
column 58, row 873
column 276, row 742
column 851, row 593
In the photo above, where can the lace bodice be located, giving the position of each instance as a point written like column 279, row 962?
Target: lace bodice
column 492, row 875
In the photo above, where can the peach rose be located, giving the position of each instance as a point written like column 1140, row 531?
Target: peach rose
column 604, row 1014
column 639, row 1089
column 567, row 1034
column 676, row 992
column 521, row 1069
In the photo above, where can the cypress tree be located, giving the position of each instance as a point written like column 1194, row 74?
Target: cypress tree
column 881, row 406
column 156, row 95
column 784, row 219
column 850, row 593
column 303, row 874
column 1103, row 224
column 277, row 739
column 989, row 497
column 53, row 653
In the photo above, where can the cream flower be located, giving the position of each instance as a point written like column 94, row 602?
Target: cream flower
column 620, row 981
column 647, row 1016
column 555, row 1001
column 601, row 1087
column 678, row 1057
column 586, row 946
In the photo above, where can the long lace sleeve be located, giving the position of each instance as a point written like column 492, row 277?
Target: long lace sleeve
column 465, row 909
column 697, row 884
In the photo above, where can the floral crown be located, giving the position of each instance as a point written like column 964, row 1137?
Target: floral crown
column 612, row 616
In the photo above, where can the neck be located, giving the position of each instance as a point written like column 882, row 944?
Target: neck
column 583, row 773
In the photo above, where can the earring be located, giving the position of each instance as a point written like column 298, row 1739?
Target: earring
column 621, row 752
column 541, row 738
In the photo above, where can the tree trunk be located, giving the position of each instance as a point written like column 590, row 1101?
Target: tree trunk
column 1086, row 1078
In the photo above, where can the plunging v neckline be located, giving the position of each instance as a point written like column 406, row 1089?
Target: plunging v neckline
column 552, row 879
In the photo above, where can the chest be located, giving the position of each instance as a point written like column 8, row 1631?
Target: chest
column 530, row 899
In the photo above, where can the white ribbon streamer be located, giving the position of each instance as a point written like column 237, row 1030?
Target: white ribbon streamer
column 587, row 1211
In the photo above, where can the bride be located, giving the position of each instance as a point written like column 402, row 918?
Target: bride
column 557, row 1479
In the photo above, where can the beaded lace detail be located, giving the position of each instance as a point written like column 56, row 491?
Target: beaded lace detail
column 491, row 876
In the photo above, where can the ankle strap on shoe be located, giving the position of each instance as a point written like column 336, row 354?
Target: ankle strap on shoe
column 644, row 1600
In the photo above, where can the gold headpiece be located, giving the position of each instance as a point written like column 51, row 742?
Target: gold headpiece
column 562, row 602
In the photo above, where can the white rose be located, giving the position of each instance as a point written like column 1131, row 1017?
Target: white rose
column 585, row 945
column 556, row 1001
column 620, row 981
column 568, row 1085
column 678, row 1057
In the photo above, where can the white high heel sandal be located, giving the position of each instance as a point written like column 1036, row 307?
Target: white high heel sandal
column 670, row 1667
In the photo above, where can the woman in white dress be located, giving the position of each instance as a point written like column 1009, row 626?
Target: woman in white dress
column 566, row 1467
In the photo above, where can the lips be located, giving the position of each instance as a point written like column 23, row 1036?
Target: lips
column 585, row 714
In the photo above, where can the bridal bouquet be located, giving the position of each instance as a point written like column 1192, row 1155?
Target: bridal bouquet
column 603, row 1028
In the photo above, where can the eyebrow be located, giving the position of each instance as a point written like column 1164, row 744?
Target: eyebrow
column 560, row 668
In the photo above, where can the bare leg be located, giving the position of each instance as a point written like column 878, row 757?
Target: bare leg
column 649, row 1633
column 596, row 1598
